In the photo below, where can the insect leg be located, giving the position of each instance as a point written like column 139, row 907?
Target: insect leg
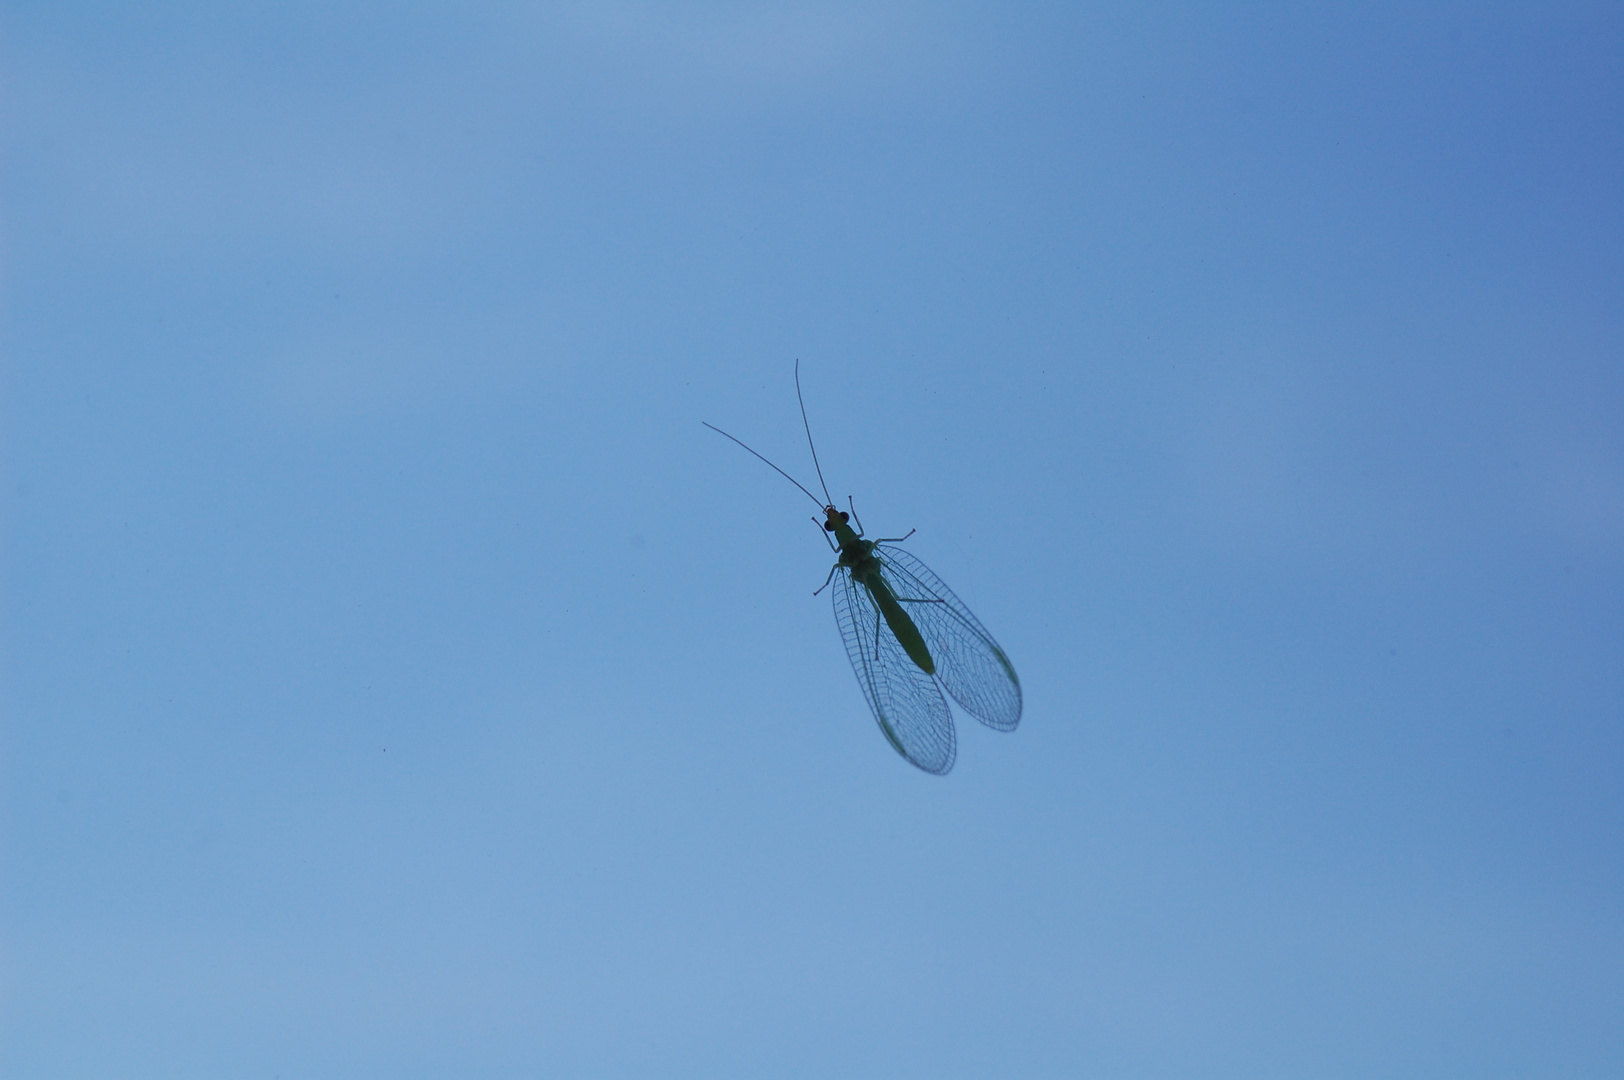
column 826, row 539
column 854, row 516
column 896, row 539
column 828, row 579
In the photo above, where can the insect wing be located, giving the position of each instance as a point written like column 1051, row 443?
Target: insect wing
column 968, row 661
column 907, row 703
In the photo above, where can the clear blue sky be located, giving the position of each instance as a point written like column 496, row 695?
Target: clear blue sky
column 400, row 682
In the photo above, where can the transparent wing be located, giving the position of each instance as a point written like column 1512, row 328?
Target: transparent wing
column 908, row 704
column 968, row 661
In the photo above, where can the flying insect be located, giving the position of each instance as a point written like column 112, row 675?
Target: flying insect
column 909, row 638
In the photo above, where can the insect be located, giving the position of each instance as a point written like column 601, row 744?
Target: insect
column 908, row 637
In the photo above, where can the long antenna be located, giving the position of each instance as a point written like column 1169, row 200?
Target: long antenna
column 774, row 468
column 828, row 501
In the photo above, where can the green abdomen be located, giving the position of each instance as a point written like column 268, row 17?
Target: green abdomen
column 899, row 622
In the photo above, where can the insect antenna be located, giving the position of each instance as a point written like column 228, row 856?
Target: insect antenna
column 826, row 500
column 770, row 465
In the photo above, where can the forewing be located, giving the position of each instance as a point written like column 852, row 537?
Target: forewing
column 968, row 661
column 907, row 703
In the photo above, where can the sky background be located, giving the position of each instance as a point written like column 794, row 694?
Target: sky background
column 399, row 681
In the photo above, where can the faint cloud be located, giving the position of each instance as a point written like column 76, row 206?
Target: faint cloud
column 771, row 49
column 383, row 359
column 197, row 158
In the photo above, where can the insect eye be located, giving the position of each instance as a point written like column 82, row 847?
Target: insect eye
column 828, row 527
column 844, row 517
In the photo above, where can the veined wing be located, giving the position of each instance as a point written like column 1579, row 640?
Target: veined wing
column 968, row 661
column 907, row 703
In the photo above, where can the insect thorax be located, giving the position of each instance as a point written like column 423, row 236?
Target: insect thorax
column 858, row 557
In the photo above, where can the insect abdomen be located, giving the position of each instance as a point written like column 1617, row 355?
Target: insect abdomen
column 906, row 632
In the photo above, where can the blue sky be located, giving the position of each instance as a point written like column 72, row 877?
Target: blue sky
column 399, row 681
